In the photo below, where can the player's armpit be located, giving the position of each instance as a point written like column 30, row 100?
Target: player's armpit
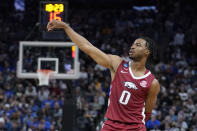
column 115, row 61
column 152, row 96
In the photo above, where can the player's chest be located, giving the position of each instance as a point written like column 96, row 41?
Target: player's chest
column 126, row 82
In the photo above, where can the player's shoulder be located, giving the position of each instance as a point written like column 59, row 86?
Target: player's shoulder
column 155, row 84
column 115, row 61
column 116, row 57
column 154, row 88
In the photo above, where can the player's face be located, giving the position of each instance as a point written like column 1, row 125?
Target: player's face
column 138, row 49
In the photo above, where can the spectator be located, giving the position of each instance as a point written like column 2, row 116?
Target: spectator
column 153, row 123
column 181, row 124
column 30, row 91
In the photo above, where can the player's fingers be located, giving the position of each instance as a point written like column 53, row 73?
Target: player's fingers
column 48, row 25
column 51, row 27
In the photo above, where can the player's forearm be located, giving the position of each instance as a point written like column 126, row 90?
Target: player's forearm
column 79, row 40
column 149, row 105
column 148, row 110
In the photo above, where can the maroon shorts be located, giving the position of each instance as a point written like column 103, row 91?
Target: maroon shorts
column 110, row 125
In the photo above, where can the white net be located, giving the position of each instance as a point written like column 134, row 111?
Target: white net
column 43, row 76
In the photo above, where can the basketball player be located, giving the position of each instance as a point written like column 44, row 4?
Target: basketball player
column 134, row 89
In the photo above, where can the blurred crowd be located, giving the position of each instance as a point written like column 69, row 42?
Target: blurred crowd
column 25, row 106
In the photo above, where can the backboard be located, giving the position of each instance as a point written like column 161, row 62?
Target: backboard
column 61, row 57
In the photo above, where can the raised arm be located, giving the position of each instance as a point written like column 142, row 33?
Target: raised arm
column 108, row 61
column 151, row 98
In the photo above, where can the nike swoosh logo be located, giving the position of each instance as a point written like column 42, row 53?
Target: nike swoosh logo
column 123, row 71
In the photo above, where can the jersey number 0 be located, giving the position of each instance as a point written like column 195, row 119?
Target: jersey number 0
column 124, row 98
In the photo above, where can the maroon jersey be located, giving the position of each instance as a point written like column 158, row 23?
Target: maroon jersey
column 127, row 95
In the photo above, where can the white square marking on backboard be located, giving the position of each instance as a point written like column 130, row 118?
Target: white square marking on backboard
column 49, row 59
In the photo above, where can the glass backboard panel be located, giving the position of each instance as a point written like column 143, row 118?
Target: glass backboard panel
column 61, row 57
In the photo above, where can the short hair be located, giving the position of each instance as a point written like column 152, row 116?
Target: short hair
column 150, row 44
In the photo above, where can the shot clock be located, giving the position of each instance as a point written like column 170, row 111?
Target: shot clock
column 50, row 10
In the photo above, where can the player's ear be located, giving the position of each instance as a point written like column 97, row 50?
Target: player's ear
column 147, row 52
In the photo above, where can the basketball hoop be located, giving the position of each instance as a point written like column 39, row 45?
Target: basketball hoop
column 43, row 76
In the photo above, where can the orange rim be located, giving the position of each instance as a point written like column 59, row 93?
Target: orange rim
column 45, row 71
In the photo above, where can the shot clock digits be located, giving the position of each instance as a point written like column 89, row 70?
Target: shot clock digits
column 54, row 10
column 50, row 10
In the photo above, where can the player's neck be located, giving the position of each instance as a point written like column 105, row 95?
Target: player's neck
column 138, row 65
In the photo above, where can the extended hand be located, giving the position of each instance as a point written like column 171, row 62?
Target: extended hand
column 55, row 24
